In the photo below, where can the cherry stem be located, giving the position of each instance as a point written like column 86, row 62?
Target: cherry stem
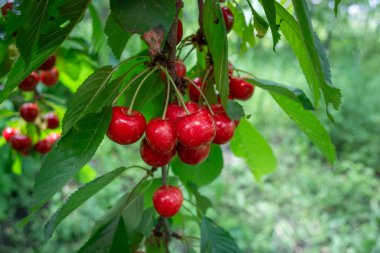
column 165, row 171
column 130, row 82
column 204, row 80
column 179, row 96
column 202, row 94
column 167, row 98
column 245, row 72
column 138, row 89
column 188, row 53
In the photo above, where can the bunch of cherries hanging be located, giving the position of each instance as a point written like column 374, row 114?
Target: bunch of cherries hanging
column 30, row 112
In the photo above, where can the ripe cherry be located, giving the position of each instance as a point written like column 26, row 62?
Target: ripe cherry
column 52, row 120
column 9, row 132
column 126, row 128
column 193, row 156
column 21, row 142
column 175, row 111
column 240, row 89
column 154, row 158
column 49, row 77
column 167, row 200
column 218, row 108
column 196, row 129
column 8, row 6
column 225, row 128
column 29, row 111
column 30, row 82
column 179, row 31
column 193, row 92
column 53, row 137
column 43, row 146
column 230, row 69
column 48, row 64
column 161, row 135
column 180, row 69
column 228, row 18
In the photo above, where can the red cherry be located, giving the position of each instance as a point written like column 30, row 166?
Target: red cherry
column 230, row 69
column 179, row 31
column 9, row 132
column 225, row 128
column 52, row 120
column 193, row 92
column 218, row 108
column 193, row 156
column 175, row 111
column 228, row 18
column 48, row 64
column 240, row 89
column 29, row 111
column 167, row 200
column 160, row 134
column 49, row 77
column 196, row 129
column 21, row 142
column 30, row 82
column 126, row 128
column 43, row 146
column 154, row 158
column 53, row 137
column 7, row 7
column 180, row 69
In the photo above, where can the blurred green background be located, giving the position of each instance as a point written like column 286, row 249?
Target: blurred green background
column 307, row 205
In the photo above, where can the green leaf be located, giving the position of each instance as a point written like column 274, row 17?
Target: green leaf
column 112, row 238
column 290, row 92
column 309, row 124
column 216, row 36
column 243, row 30
column 98, row 38
column 79, row 197
column 260, row 24
column 156, row 14
column 203, row 173
column 336, row 6
column 203, row 203
column 117, row 38
column 270, row 12
column 234, row 110
column 17, row 165
column 249, row 144
column 215, row 239
column 89, row 98
column 72, row 152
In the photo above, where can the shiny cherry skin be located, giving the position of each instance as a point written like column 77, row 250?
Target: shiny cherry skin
column 53, row 137
column 180, row 69
column 228, row 18
column 21, row 142
column 6, row 7
column 218, row 108
column 193, row 156
column 29, row 111
column 9, row 132
column 43, row 146
column 152, row 157
column 196, row 129
column 179, row 31
column 225, row 128
column 167, row 200
column 175, row 111
column 193, row 92
column 48, row 64
column 126, row 128
column 52, row 120
column 49, row 77
column 241, row 89
column 30, row 82
column 161, row 135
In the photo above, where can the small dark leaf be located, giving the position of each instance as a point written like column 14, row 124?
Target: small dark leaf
column 203, row 173
column 336, row 6
column 203, row 203
column 215, row 239
column 117, row 38
column 234, row 110
column 260, row 24
column 270, row 12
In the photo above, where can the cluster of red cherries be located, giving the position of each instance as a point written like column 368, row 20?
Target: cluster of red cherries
column 30, row 112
